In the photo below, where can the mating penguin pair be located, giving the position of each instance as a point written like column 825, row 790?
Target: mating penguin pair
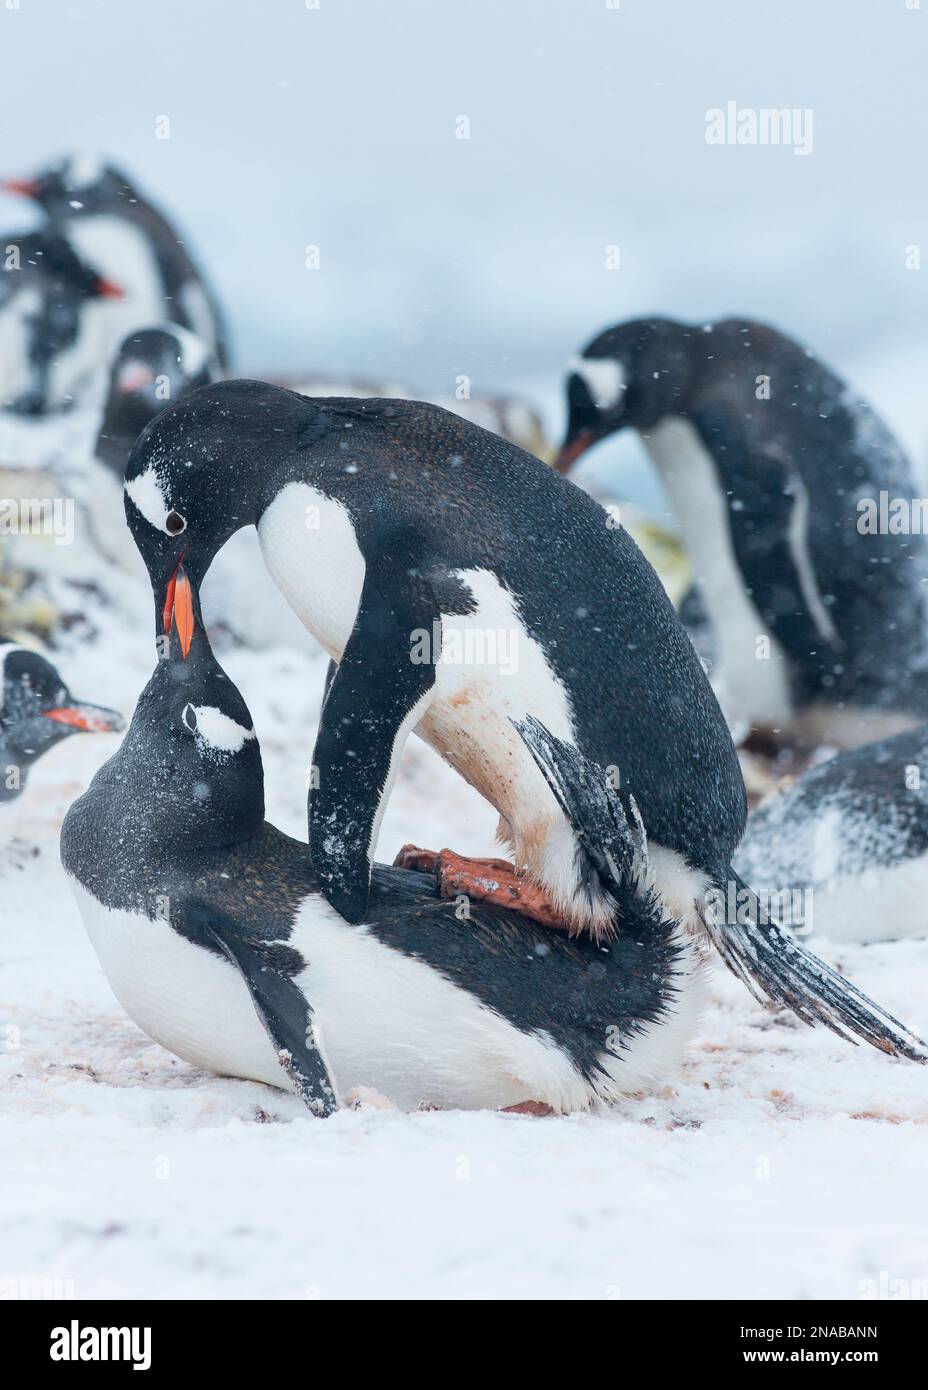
column 216, row 939
column 386, row 523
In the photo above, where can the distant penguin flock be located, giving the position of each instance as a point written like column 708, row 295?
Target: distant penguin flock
column 403, row 536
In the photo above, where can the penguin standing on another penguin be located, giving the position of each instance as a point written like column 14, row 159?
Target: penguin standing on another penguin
column 820, row 626
column 216, row 939
column 49, row 340
column 37, row 711
column 213, row 933
column 108, row 221
column 462, row 586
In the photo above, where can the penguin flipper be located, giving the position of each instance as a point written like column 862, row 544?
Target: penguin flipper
column 775, row 966
column 374, row 696
column 267, row 969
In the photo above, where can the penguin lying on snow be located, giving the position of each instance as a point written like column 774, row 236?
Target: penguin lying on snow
column 216, row 939
column 848, row 843
column 46, row 294
column 213, row 933
column 391, row 525
column 108, row 220
column 766, row 454
column 37, row 711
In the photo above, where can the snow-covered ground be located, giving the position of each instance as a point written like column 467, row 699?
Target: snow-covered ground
column 780, row 1163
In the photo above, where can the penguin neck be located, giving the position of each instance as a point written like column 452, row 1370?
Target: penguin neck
column 168, row 791
column 123, row 422
column 663, row 368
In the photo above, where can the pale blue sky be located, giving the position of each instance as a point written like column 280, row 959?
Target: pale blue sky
column 336, row 126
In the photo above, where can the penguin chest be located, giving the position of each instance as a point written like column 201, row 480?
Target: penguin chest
column 490, row 671
column 121, row 253
column 488, row 668
column 312, row 554
column 751, row 668
column 189, row 1000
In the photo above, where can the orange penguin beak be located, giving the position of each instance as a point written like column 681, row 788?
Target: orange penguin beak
column 26, row 188
column 108, row 289
column 572, row 451
column 178, row 607
column 89, row 719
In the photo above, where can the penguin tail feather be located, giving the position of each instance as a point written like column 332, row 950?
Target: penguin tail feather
column 775, row 966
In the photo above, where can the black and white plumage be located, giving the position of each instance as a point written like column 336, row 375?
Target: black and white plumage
column 37, row 711
column 152, row 368
column 51, row 300
column 847, row 843
column 386, row 521
column 115, row 227
column 767, row 455
column 215, row 937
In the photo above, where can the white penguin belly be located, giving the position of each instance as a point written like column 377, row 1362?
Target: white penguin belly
column 121, row 253
column 751, row 670
column 382, row 1019
column 189, row 1000
column 887, row 902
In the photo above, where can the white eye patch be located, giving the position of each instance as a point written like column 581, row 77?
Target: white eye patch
column 604, row 377
column 146, row 493
column 83, row 170
column 193, row 353
column 215, row 732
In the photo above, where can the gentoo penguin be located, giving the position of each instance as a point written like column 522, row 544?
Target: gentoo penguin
column 153, row 367
column 37, row 711
column 768, row 458
column 213, row 933
column 460, row 584
column 844, row 848
column 46, row 292
column 109, row 222
column 215, row 938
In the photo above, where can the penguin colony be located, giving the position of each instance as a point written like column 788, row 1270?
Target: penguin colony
column 575, row 975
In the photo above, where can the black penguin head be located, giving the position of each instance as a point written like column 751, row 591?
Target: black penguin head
column 202, row 470
column 37, row 711
column 191, row 760
column 634, row 374
column 152, row 368
column 76, row 184
column 44, row 288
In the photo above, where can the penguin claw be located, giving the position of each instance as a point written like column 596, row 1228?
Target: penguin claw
column 422, row 861
column 495, row 881
column 528, row 1107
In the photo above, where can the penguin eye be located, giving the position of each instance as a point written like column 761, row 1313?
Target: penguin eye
column 174, row 523
column 189, row 716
